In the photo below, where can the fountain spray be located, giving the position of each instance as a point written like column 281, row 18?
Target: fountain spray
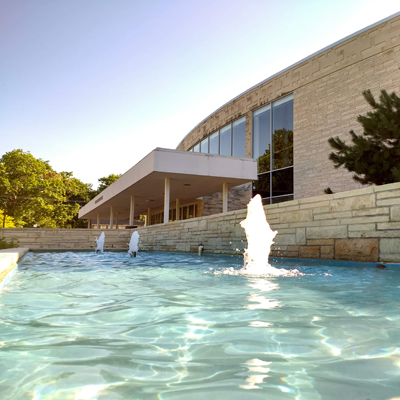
column 100, row 243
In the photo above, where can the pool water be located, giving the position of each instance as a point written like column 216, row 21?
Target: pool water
column 165, row 326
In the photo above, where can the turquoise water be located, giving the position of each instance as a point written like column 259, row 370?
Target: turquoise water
column 163, row 326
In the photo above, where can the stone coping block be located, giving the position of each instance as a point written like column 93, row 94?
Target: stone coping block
column 9, row 259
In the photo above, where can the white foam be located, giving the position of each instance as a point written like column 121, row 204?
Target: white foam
column 100, row 243
column 260, row 238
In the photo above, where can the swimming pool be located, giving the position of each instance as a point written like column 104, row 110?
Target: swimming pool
column 165, row 326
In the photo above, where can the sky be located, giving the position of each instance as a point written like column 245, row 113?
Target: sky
column 92, row 86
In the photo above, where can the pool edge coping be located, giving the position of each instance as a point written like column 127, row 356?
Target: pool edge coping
column 9, row 259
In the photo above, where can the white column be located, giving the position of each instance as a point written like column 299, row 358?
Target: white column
column 167, row 188
column 145, row 220
column 98, row 221
column 132, row 211
column 111, row 217
column 225, row 197
column 89, row 223
column 178, row 209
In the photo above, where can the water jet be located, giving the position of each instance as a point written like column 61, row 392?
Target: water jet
column 100, row 243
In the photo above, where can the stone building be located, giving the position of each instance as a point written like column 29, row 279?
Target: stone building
column 283, row 124
column 285, row 121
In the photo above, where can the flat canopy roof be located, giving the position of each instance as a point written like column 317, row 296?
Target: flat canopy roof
column 192, row 175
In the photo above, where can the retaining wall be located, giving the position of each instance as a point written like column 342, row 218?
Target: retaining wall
column 66, row 239
column 359, row 225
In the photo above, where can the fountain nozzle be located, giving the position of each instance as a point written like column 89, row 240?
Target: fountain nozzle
column 201, row 248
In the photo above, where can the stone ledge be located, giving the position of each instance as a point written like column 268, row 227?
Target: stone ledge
column 9, row 259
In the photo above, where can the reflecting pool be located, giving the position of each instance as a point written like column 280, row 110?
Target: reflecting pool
column 172, row 326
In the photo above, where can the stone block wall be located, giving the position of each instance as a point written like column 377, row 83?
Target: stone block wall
column 358, row 225
column 330, row 107
column 66, row 239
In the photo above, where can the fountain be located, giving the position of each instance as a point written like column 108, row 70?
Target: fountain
column 200, row 250
column 100, row 243
column 134, row 244
column 260, row 238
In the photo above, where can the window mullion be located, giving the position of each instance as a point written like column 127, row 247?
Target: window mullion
column 271, row 153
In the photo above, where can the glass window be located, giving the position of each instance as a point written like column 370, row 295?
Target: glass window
column 281, row 199
column 283, row 133
column 282, row 182
column 214, row 143
column 225, row 141
column 273, row 149
column 262, row 138
column 239, row 138
column 196, row 148
column 262, row 186
column 204, row 146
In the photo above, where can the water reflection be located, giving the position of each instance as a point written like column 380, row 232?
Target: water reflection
column 257, row 300
column 257, row 370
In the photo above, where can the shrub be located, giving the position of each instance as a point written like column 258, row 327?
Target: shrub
column 4, row 244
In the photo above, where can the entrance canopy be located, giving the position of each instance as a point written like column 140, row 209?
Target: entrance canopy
column 165, row 176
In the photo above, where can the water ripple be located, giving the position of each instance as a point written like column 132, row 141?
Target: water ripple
column 160, row 326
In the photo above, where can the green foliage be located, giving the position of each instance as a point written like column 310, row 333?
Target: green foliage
column 4, row 244
column 374, row 155
column 107, row 181
column 33, row 194
column 6, row 221
column 283, row 148
column 283, row 152
column 263, row 162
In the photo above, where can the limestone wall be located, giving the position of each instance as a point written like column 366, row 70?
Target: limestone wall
column 329, row 107
column 66, row 239
column 359, row 225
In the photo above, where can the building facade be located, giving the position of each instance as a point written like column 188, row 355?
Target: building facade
column 285, row 121
column 270, row 140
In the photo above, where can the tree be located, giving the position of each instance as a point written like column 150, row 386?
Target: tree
column 283, row 152
column 107, row 181
column 33, row 194
column 374, row 155
column 6, row 222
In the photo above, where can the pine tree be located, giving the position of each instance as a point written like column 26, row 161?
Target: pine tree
column 374, row 155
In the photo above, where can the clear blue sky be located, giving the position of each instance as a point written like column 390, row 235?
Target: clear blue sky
column 92, row 86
